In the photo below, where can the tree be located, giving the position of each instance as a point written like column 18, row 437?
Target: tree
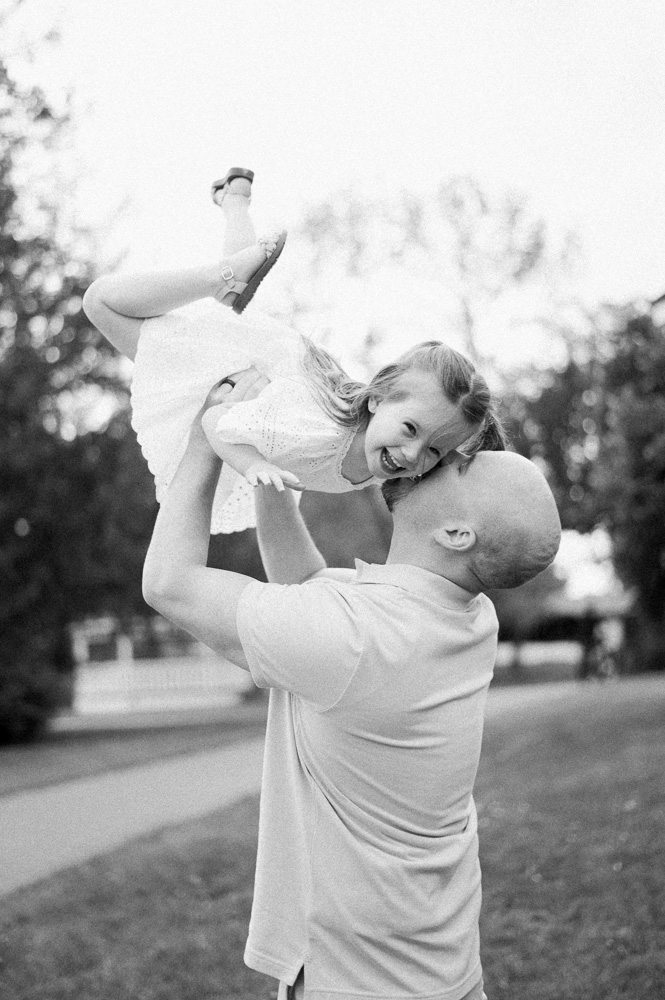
column 76, row 503
column 597, row 426
column 630, row 475
column 521, row 610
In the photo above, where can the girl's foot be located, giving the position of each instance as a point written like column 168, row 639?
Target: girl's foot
column 236, row 181
column 237, row 193
column 242, row 273
column 233, row 195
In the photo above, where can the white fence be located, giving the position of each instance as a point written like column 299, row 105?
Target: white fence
column 155, row 685
column 203, row 679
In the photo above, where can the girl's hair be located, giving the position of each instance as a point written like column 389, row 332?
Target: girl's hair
column 347, row 401
column 490, row 437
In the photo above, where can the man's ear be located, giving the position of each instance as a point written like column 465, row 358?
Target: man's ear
column 372, row 404
column 455, row 536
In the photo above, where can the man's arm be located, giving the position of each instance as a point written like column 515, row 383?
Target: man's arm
column 176, row 581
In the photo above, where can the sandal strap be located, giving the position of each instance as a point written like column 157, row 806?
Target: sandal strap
column 229, row 284
column 231, row 175
column 268, row 244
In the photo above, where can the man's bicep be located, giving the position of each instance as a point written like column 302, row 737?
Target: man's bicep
column 206, row 606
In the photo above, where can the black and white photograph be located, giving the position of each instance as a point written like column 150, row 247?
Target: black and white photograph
column 332, row 500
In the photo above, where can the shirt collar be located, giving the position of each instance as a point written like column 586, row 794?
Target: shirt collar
column 417, row 581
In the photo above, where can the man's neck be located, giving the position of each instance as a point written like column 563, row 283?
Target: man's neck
column 433, row 559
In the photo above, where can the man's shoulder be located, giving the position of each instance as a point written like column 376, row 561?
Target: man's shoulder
column 322, row 600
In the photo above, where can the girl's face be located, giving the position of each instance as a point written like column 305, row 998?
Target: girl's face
column 408, row 435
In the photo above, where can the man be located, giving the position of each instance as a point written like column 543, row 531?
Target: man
column 367, row 881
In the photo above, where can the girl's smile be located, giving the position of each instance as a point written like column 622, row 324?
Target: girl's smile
column 409, row 432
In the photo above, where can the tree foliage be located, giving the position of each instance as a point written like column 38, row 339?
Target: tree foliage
column 75, row 501
column 598, row 427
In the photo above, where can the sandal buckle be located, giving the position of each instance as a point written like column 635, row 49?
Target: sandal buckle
column 227, row 273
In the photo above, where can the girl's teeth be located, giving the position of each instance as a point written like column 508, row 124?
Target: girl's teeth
column 390, row 462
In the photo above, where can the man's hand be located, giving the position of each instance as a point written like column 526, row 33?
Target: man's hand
column 245, row 459
column 230, row 390
column 235, row 388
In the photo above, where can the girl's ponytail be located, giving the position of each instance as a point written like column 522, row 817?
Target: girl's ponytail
column 490, row 437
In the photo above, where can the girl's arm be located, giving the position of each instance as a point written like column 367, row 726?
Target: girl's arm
column 245, row 458
column 250, row 463
column 117, row 304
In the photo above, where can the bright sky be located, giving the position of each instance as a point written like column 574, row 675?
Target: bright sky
column 563, row 100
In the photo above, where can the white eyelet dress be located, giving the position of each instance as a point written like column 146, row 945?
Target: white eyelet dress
column 182, row 354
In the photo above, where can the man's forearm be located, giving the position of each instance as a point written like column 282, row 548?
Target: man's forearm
column 176, row 580
column 181, row 534
column 287, row 548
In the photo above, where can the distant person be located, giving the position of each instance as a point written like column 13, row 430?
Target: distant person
column 313, row 427
column 367, row 879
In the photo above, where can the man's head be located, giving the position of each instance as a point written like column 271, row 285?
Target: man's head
column 485, row 524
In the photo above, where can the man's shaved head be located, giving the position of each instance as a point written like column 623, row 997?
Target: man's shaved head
column 493, row 519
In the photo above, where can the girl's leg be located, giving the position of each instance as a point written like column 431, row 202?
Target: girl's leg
column 234, row 201
column 117, row 304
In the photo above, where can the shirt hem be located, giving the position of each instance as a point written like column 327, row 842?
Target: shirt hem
column 273, row 966
column 456, row 993
column 276, row 969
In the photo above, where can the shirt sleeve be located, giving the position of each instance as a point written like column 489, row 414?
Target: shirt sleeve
column 304, row 638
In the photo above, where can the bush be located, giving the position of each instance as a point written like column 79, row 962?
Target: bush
column 29, row 696
column 36, row 683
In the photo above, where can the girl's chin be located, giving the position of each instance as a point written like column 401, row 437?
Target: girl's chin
column 384, row 476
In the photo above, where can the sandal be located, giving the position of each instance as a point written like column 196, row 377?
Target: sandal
column 245, row 291
column 229, row 175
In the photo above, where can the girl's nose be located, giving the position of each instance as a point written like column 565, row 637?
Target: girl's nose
column 412, row 454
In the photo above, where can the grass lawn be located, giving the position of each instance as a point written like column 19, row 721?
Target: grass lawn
column 571, row 801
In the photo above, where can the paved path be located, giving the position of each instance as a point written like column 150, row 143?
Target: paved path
column 52, row 828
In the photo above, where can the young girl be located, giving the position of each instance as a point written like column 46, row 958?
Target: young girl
column 312, row 427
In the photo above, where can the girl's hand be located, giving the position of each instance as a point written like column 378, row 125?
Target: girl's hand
column 270, row 475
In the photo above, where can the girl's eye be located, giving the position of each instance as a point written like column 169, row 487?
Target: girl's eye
column 435, row 453
column 410, row 428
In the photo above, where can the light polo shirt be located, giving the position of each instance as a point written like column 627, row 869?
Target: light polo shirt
column 367, row 869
